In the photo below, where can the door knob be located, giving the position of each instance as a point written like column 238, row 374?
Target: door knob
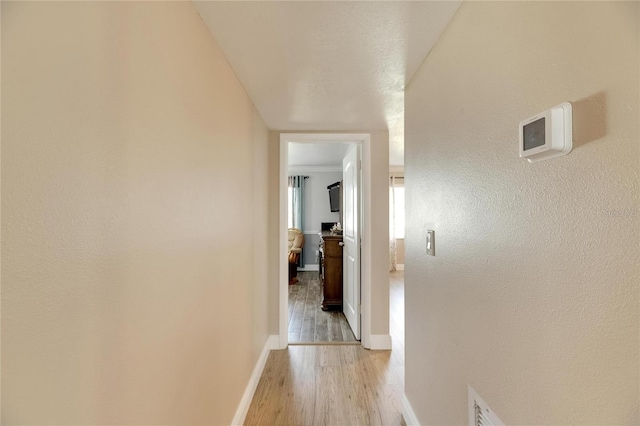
column 340, row 243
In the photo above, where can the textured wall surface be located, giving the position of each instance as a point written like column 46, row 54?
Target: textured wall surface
column 378, row 216
column 274, row 230
column 532, row 298
column 134, row 201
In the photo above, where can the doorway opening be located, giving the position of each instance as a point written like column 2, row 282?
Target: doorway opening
column 350, row 228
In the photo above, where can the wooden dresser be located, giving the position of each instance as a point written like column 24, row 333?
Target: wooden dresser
column 331, row 271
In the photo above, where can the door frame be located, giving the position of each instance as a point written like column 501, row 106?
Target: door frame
column 364, row 140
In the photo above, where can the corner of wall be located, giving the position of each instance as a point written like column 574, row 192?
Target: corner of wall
column 408, row 414
column 272, row 343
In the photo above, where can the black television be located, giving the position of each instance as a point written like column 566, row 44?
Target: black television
column 334, row 196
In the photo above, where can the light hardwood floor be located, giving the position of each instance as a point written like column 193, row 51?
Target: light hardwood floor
column 308, row 323
column 335, row 385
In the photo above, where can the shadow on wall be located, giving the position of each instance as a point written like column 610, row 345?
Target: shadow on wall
column 589, row 119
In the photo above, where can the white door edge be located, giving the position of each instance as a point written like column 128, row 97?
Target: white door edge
column 351, row 305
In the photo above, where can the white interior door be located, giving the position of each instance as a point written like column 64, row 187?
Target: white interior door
column 351, row 239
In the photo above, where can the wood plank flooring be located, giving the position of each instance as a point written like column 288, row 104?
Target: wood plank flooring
column 335, row 385
column 308, row 323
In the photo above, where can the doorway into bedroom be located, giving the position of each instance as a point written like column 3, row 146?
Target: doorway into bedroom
column 316, row 244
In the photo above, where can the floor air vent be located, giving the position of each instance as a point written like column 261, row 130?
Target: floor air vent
column 479, row 412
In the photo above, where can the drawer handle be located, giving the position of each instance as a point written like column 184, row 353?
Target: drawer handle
column 340, row 243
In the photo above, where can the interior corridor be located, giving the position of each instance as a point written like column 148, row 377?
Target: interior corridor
column 335, row 384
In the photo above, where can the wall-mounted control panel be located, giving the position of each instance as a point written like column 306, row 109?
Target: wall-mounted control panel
column 548, row 134
column 431, row 243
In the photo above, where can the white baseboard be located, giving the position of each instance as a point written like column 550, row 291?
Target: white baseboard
column 271, row 343
column 407, row 413
column 274, row 341
column 400, row 267
column 380, row 342
column 280, row 342
column 310, row 267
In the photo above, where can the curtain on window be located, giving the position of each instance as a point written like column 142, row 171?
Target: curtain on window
column 396, row 217
column 392, row 226
column 296, row 207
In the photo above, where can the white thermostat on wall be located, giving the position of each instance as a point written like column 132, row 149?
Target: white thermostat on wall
column 547, row 135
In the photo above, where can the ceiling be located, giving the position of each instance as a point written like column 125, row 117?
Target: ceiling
column 317, row 154
column 328, row 65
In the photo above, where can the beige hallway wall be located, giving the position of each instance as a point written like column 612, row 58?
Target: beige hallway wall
column 134, row 207
column 532, row 298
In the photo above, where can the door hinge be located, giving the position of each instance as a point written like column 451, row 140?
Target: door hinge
column 360, row 165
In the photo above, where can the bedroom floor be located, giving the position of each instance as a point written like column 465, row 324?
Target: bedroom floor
column 308, row 323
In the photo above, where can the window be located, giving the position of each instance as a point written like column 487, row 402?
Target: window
column 290, row 208
column 399, row 211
